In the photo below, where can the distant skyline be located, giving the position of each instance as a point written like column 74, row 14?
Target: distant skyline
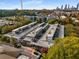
column 36, row 4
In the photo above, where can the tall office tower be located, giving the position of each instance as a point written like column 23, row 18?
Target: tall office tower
column 65, row 7
column 72, row 8
column 57, row 8
column 68, row 7
column 62, row 7
column 78, row 6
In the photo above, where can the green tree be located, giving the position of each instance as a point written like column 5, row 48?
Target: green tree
column 66, row 48
column 70, row 30
column 7, row 29
column 4, row 39
column 52, row 21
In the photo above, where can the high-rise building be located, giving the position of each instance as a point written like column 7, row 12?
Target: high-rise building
column 68, row 7
column 65, row 7
column 78, row 6
column 62, row 7
column 57, row 8
column 72, row 8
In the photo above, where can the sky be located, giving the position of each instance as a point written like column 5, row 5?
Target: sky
column 36, row 4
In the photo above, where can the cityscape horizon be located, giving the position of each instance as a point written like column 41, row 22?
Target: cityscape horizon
column 63, row 7
column 39, row 29
column 37, row 4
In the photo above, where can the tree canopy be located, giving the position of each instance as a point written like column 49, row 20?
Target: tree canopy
column 66, row 48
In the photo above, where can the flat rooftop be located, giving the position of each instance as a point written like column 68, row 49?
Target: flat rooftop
column 22, row 34
column 42, row 41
